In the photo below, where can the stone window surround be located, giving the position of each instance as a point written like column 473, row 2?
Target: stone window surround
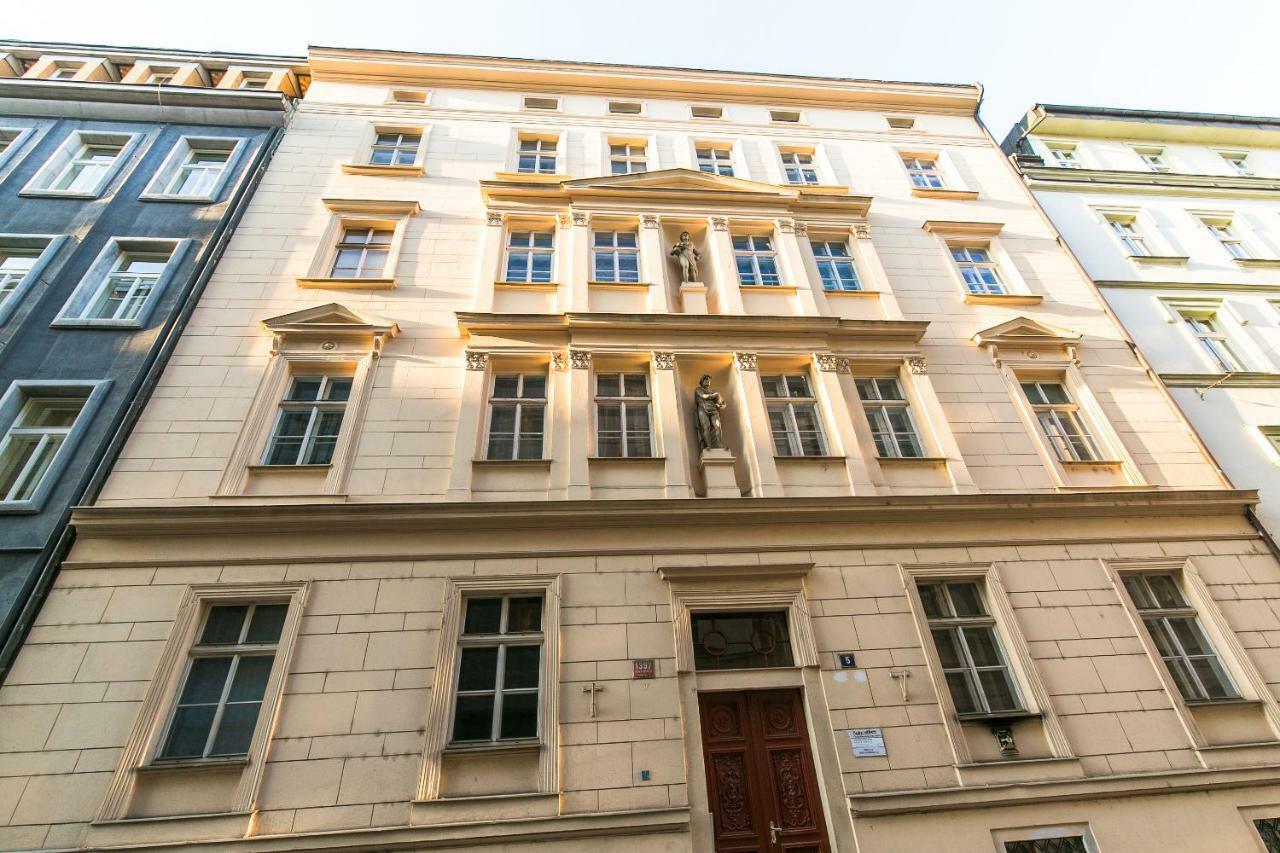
column 139, row 751
column 360, row 164
column 609, row 138
column 624, row 363
column 910, row 372
column 52, row 168
column 1248, row 680
column 11, row 404
column 94, row 278
column 1155, row 239
column 157, row 189
column 821, row 163
column 92, row 68
column 953, row 185
column 440, row 709
column 737, row 153
column 512, row 158
column 1236, row 333
column 986, row 235
column 358, row 213
column 534, row 361
column 191, row 74
column 1031, row 688
column 408, row 96
column 278, row 79
column 51, row 247
column 1037, row 833
column 19, row 146
column 532, row 220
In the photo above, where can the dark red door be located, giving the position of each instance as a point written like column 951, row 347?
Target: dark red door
column 760, row 776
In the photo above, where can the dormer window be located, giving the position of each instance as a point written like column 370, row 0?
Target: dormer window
column 1064, row 155
column 1153, row 158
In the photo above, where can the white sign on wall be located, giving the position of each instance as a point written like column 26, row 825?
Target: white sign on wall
column 867, row 743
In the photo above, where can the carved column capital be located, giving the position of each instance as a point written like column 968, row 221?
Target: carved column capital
column 916, row 364
column 719, row 223
column 802, row 230
column 664, row 360
column 787, row 226
column 493, row 218
column 649, row 220
column 565, row 220
column 862, row 230
column 827, row 362
column 580, row 217
column 745, row 360
column 580, row 359
column 477, row 360
column 559, row 360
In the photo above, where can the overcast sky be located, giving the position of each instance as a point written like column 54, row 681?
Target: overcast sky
column 1172, row 54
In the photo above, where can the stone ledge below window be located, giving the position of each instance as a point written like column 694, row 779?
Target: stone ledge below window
column 531, row 178
column 810, row 458
column 620, row 285
column 281, row 469
column 347, row 283
column 633, row 460
column 1003, row 299
column 398, row 170
column 548, row 286
column 767, row 288
column 954, row 195
column 1257, row 263
column 1162, row 260
column 912, row 460
column 514, row 463
column 865, row 293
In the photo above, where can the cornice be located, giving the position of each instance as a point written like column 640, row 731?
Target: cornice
column 124, row 102
column 1094, row 180
column 1209, row 286
column 260, row 518
column 129, row 55
column 1221, row 380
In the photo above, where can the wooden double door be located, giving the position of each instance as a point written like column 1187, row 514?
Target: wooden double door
column 760, row 775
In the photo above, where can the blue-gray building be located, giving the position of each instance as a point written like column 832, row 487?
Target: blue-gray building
column 123, row 173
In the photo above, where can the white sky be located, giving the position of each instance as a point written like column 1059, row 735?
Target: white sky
column 1152, row 54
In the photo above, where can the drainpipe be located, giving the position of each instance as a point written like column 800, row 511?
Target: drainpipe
column 37, row 588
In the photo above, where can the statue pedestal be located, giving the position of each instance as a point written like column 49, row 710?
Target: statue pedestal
column 717, row 471
column 693, row 297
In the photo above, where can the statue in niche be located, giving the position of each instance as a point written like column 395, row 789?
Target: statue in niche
column 708, row 404
column 687, row 256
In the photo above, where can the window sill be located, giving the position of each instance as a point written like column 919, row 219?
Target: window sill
column 59, row 194
column 527, row 178
column 821, row 189
column 1110, row 464
column 195, row 765
column 954, row 195
column 1222, row 703
column 854, row 293
column 1258, row 263
column 183, row 199
column 530, row 745
column 1004, row 718
column 347, row 283
column 281, row 469
column 619, row 285
column 514, row 463
column 410, row 171
column 547, row 286
column 766, row 288
column 1052, row 759
column 630, row 460
column 822, row 458
column 1160, row 260
column 79, row 323
column 1002, row 299
column 912, row 460
column 19, row 507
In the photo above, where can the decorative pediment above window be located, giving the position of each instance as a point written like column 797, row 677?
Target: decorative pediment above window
column 1024, row 338
column 330, row 327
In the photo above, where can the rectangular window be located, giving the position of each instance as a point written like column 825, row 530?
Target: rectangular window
column 973, row 660
column 517, row 416
column 625, row 108
column 793, row 415
column 536, row 156
column 1238, row 162
column 1125, row 229
column 408, row 96
column 1207, row 330
column 615, row 257
column 529, row 257
column 499, row 667
column 32, row 442
column 226, row 679
column 622, row 415
column 254, row 80
column 1269, row 831
column 157, row 76
column 889, row 415
column 1225, row 234
column 310, row 421
column 65, row 71
column 785, row 116
column 715, row 159
column 1175, row 628
column 756, row 261
column 741, row 640
column 127, row 286
column 980, row 273
column 900, row 122
column 1059, row 418
column 395, row 148
column 362, row 253
column 706, row 111
column 1064, row 155
column 799, row 167
column 1062, row 844
column 89, row 166
column 200, row 172
column 1153, row 158
column 835, row 265
column 15, row 264
column 628, row 158
column 923, row 171
column 534, row 102
column 9, row 137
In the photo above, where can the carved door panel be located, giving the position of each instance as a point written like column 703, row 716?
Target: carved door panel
column 760, row 776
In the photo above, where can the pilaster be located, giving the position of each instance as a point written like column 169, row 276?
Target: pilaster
column 757, row 437
column 720, row 244
column 666, row 401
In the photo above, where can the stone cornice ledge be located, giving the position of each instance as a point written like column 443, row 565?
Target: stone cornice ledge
column 154, row 520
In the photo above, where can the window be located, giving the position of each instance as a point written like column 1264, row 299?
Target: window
column 226, row 680
column 835, row 265
column 499, row 662
column 533, row 102
column 1061, row 844
column 715, row 159
column 127, row 286
column 65, row 71
column 1238, row 161
column 15, row 265
column 972, row 658
column 1064, row 154
column 628, row 158
column 517, row 416
column 1060, row 420
column 199, row 174
column 1175, row 628
column 1224, row 233
column 536, row 156
column 756, row 261
column 362, row 253
column 10, row 139
column 793, row 415
column 900, row 122
column 158, row 76
column 395, row 148
column 309, row 422
column 254, row 80
column 979, row 272
column 529, row 257
column 86, row 161
column 1269, row 830
column 615, row 257
column 785, row 116
column 706, row 111
column 1125, row 229
column 622, row 415
column 889, row 416
column 1153, row 158
column 625, row 108
column 741, row 640
column 923, row 171
column 32, row 442
column 799, row 166
column 408, row 96
column 1206, row 329
column 196, row 169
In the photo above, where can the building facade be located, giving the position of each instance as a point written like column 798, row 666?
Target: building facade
column 1176, row 217
column 120, row 175
column 585, row 457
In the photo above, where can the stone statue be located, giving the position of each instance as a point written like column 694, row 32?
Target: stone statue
column 687, row 256
column 708, row 405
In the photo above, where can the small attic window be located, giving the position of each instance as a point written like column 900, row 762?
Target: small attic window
column 785, row 116
column 408, row 96
column 706, row 111
column 626, row 108
column 539, row 102
column 901, row 122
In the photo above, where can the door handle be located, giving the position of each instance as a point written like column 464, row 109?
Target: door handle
column 774, row 829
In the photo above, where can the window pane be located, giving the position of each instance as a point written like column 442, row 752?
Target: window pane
column 636, row 385
column 1215, row 681
column 224, row 624
column 522, row 667
column 520, row 715
column 966, row 600
column 205, row 680
column 535, row 386
column 1138, row 592
column 473, row 718
column 998, row 690
column 478, row 668
column 946, row 641
column 235, row 729
column 962, row 693
column 1166, row 591
column 268, row 619
column 983, row 647
column 484, row 616
column 931, row 597
column 609, row 418
column 1190, row 637
column 305, row 389
column 523, row 615
column 251, row 678
column 190, row 731
column 741, row 640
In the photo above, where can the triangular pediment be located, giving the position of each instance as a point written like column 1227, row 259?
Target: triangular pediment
column 676, row 180
column 332, row 318
column 1024, row 330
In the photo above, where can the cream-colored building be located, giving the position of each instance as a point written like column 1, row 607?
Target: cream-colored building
column 416, row 547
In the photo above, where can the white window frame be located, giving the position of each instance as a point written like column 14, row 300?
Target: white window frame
column 614, row 250
column 12, row 403
column 20, row 137
column 883, row 405
column 755, row 255
column 1062, row 415
column 353, row 213
column 557, row 140
column 983, row 235
column 991, row 264
column 624, row 402
column 518, row 402
column 630, row 158
column 41, row 184
column 48, row 247
column 1069, row 151
column 909, row 161
column 96, row 278
column 787, row 405
column 360, row 165
column 1186, row 313
column 160, row 187
column 507, row 248
column 1155, row 158
column 785, row 151
column 1124, row 228
column 316, row 407
column 1222, row 228
column 1001, row 837
column 853, row 286
column 716, row 147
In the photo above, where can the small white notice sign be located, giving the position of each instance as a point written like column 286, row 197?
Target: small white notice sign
column 867, row 743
